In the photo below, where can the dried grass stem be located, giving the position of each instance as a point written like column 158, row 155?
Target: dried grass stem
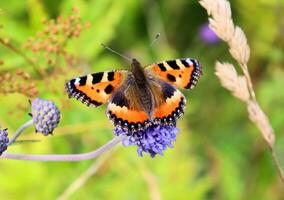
column 220, row 21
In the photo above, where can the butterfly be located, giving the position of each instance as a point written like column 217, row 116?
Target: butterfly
column 142, row 96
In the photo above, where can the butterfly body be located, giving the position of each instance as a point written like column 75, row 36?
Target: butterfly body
column 142, row 96
column 142, row 86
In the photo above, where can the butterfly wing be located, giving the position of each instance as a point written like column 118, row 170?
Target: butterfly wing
column 125, row 108
column 182, row 73
column 97, row 88
column 169, row 102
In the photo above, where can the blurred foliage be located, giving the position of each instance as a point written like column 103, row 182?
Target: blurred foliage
column 218, row 154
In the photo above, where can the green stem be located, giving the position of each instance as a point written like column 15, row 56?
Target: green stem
column 20, row 130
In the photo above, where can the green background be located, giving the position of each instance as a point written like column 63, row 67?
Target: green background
column 219, row 153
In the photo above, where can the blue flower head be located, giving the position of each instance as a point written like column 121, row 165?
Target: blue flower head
column 153, row 140
column 4, row 140
column 46, row 116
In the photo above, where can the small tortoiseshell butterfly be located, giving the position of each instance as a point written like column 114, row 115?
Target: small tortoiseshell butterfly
column 140, row 97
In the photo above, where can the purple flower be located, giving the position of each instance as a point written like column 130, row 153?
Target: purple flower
column 4, row 140
column 207, row 35
column 154, row 140
column 46, row 116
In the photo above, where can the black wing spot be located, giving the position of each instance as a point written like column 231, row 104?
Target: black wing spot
column 195, row 64
column 179, row 75
column 109, row 89
column 183, row 61
column 167, row 90
column 173, row 64
column 119, row 99
column 92, row 88
column 110, row 76
column 162, row 67
column 171, row 78
column 98, row 90
column 83, row 80
column 97, row 77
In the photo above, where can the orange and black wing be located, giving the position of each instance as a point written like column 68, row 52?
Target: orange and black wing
column 169, row 103
column 125, row 109
column 97, row 88
column 183, row 73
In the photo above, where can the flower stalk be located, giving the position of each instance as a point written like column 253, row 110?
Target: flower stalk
column 20, row 131
column 66, row 157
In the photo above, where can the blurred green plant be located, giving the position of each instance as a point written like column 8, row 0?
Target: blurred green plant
column 217, row 155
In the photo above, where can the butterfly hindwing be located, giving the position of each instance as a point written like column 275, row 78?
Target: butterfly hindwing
column 170, row 103
column 95, row 89
column 182, row 73
column 125, row 110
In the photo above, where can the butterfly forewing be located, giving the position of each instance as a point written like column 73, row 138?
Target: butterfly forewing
column 183, row 73
column 97, row 88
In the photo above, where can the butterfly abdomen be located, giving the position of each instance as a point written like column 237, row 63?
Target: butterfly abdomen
column 144, row 94
column 146, row 99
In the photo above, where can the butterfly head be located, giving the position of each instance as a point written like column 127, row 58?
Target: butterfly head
column 135, row 64
column 137, row 71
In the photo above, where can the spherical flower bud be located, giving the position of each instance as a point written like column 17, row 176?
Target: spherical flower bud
column 4, row 140
column 153, row 140
column 46, row 116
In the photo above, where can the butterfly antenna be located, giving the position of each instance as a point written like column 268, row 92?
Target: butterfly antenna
column 155, row 39
column 113, row 51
